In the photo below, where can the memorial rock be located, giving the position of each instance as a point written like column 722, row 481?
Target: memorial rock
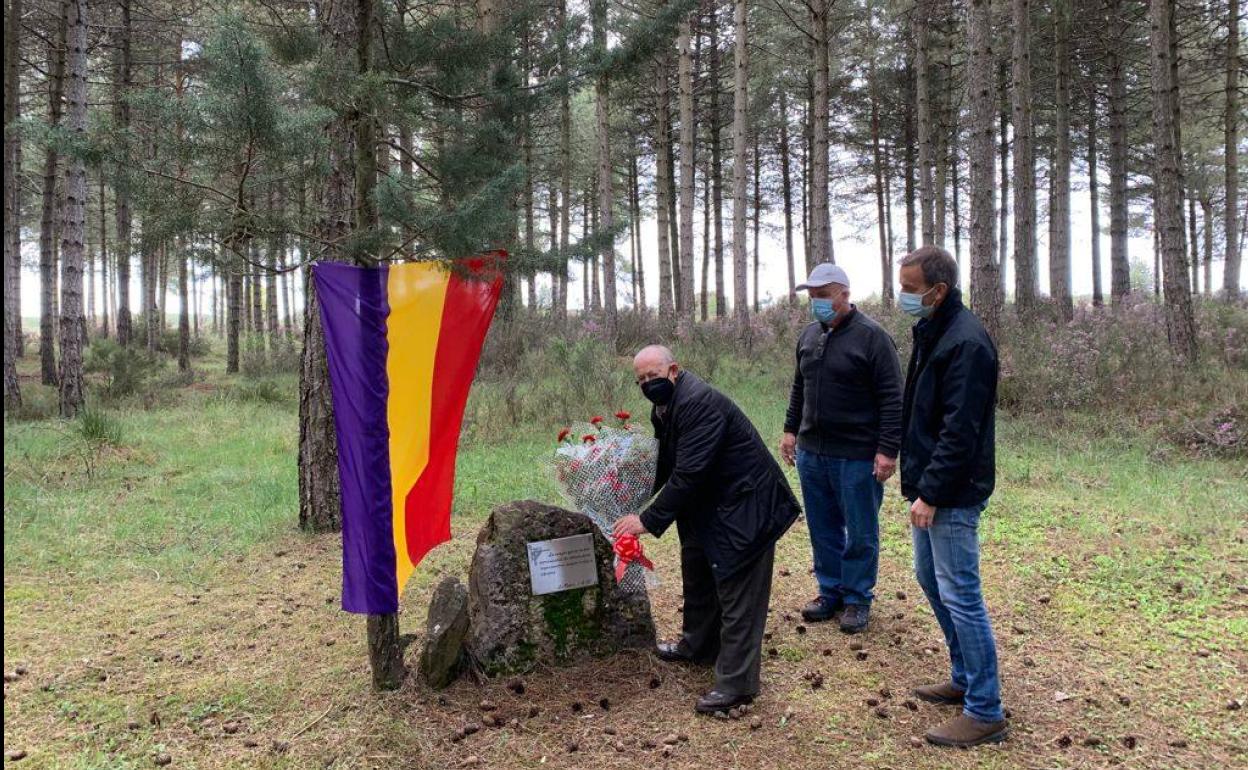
column 445, row 628
column 512, row 629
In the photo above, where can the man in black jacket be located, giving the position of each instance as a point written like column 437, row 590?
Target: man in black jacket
column 947, row 474
column 731, row 503
column 842, row 430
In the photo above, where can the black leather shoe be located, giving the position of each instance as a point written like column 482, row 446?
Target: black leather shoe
column 715, row 701
column 673, row 652
column 822, row 608
column 854, row 618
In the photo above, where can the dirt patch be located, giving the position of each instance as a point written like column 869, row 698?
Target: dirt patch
column 259, row 667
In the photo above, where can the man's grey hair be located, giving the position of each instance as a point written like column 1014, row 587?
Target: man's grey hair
column 938, row 265
column 665, row 355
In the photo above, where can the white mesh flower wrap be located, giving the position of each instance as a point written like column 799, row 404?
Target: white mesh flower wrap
column 607, row 473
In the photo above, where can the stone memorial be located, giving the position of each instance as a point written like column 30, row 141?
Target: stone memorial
column 542, row 591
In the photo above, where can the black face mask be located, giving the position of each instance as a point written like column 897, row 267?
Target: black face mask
column 659, row 390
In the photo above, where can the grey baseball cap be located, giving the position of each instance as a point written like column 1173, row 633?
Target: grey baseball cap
column 824, row 274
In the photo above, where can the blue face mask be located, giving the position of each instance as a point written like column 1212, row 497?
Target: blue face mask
column 823, row 310
column 913, row 304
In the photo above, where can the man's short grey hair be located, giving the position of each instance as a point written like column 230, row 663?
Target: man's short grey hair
column 665, row 355
column 938, row 265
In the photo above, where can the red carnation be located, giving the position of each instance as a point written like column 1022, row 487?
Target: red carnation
column 596, row 420
column 623, row 415
column 588, row 438
column 563, row 435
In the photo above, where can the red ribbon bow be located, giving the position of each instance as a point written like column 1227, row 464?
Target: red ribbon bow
column 628, row 549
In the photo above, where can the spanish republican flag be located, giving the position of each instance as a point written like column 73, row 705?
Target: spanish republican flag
column 402, row 342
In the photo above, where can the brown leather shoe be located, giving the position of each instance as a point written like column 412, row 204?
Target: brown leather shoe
column 944, row 693
column 963, row 731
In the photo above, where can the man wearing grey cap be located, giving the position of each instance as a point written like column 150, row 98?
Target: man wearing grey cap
column 843, row 430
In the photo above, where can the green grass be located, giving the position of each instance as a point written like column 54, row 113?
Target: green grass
column 160, row 547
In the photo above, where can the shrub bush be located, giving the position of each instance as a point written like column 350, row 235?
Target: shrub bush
column 99, row 428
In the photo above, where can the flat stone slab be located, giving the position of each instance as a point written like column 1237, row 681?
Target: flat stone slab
column 445, row 629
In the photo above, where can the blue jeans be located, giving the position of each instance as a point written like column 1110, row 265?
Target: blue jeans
column 843, row 515
column 946, row 562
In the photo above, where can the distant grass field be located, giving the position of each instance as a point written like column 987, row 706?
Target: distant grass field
column 160, row 600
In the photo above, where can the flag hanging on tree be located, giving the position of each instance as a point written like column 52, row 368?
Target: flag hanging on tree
column 402, row 343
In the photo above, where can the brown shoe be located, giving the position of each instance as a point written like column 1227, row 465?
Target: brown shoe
column 945, row 694
column 963, row 731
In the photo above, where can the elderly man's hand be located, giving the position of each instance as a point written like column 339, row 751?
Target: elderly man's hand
column 788, row 448
column 922, row 514
column 884, row 467
column 629, row 525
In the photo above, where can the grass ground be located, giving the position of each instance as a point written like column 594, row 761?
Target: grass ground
column 159, row 602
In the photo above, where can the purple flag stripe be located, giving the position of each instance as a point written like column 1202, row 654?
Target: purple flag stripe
column 353, row 314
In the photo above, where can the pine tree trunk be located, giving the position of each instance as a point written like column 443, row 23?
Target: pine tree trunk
column 662, row 189
column 706, row 244
column 585, row 231
column 320, row 507
column 89, row 317
column 13, row 342
column 758, row 216
column 877, row 164
column 740, row 148
column 1168, row 185
column 554, row 211
column 920, row 22
column 121, row 193
column 1193, row 244
column 786, row 190
column 565, row 166
column 807, row 239
column 234, row 320
column 717, row 167
column 819, row 137
column 105, row 294
column 1025, row 272
column 1059, row 196
column 688, row 128
column 148, row 266
column 909, row 137
column 955, row 188
column 184, row 311
column 606, row 188
column 47, row 221
column 1231, row 270
column 74, row 215
column 985, row 285
column 639, row 268
column 270, row 295
column 1206, row 213
column 1119, row 265
column 1003, row 199
column 1094, row 203
column 673, row 226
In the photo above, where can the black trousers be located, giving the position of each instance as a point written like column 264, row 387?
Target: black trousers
column 724, row 621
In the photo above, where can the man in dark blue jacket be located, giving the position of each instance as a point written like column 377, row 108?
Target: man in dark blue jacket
column 947, row 474
column 730, row 503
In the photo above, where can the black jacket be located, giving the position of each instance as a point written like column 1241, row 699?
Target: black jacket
column 716, row 479
column 948, row 425
column 846, row 396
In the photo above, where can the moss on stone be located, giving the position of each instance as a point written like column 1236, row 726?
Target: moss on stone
column 569, row 622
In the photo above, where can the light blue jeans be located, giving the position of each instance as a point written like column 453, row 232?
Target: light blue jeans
column 946, row 562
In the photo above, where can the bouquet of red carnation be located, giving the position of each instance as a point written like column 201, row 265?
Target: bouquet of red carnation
column 607, row 472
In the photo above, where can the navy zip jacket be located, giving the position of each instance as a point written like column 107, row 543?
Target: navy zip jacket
column 948, row 422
